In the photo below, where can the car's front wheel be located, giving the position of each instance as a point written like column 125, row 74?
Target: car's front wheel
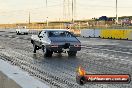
column 47, row 53
column 72, row 53
column 34, row 48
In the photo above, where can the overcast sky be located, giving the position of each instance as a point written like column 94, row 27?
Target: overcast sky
column 13, row 11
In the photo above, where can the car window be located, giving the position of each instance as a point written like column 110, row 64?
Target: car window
column 59, row 34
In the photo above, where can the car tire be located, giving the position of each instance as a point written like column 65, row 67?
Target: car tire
column 72, row 53
column 25, row 33
column 47, row 53
column 34, row 48
column 18, row 33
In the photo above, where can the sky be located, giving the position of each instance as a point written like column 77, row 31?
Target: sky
column 17, row 11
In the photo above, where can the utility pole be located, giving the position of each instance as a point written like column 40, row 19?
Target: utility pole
column 47, row 14
column 75, row 13
column 72, row 11
column 29, row 18
column 116, row 12
column 64, row 7
column 68, row 11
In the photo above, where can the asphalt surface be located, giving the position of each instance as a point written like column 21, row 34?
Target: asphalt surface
column 100, row 56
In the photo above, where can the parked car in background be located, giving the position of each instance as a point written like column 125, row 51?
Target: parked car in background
column 21, row 30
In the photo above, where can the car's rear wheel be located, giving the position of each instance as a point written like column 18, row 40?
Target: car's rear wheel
column 25, row 33
column 47, row 53
column 72, row 53
column 18, row 33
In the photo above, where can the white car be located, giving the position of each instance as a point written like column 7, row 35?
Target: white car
column 22, row 30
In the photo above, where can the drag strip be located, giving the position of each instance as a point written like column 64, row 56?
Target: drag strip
column 60, row 70
column 103, row 48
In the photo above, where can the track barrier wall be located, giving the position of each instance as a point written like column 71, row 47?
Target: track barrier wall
column 116, row 34
column 90, row 33
column 123, row 34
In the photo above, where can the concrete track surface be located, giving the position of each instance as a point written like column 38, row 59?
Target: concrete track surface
column 100, row 56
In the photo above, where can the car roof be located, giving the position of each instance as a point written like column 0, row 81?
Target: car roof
column 55, row 30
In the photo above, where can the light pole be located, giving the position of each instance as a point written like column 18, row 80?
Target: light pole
column 72, row 11
column 29, row 20
column 47, row 13
column 116, row 12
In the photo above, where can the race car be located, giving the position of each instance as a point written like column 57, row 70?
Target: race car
column 56, row 41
